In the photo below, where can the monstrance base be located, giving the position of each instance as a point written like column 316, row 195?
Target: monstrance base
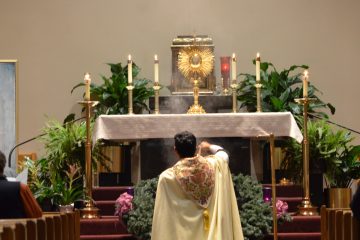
column 196, row 109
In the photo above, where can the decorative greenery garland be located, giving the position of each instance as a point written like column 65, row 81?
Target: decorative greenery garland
column 255, row 215
column 139, row 220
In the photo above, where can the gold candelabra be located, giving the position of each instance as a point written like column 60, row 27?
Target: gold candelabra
column 258, row 86
column 130, row 88
column 156, row 88
column 196, row 108
column 90, row 211
column 306, row 208
column 234, row 86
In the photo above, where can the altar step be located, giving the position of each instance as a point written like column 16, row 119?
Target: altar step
column 107, row 226
column 105, row 197
column 302, row 227
column 111, row 227
column 296, row 236
column 291, row 194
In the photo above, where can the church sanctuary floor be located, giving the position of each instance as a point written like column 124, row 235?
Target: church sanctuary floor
column 111, row 227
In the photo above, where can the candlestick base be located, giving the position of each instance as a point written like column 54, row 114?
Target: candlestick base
column 196, row 109
column 130, row 99
column 89, row 212
column 307, row 209
column 234, row 88
column 258, row 86
column 156, row 88
column 285, row 182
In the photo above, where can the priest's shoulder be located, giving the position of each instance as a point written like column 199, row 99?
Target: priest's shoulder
column 167, row 174
column 215, row 159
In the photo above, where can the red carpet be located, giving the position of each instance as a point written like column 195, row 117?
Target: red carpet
column 110, row 227
column 302, row 227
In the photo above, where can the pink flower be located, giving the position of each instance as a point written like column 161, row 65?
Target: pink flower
column 281, row 207
column 123, row 204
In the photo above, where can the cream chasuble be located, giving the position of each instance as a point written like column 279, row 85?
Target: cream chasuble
column 181, row 210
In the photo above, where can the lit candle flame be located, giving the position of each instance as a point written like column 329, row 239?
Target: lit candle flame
column 87, row 77
column 306, row 74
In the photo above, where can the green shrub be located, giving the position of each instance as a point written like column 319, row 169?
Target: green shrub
column 255, row 215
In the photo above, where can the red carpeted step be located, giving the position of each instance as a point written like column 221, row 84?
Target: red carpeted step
column 110, row 237
column 108, row 193
column 301, row 224
column 107, row 208
column 296, row 236
column 101, row 226
column 287, row 190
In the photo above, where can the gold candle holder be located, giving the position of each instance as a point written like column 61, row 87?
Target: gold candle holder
column 90, row 211
column 156, row 88
column 234, row 86
column 130, row 88
column 258, row 86
column 306, row 208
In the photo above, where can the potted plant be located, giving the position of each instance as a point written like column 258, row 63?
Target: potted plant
column 68, row 190
column 112, row 94
column 341, row 172
column 279, row 91
column 64, row 147
column 331, row 153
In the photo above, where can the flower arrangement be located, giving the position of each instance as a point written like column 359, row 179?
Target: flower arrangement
column 281, row 207
column 123, row 204
column 282, row 211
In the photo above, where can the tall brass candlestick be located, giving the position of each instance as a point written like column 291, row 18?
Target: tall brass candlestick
column 273, row 185
column 234, row 86
column 156, row 88
column 130, row 98
column 306, row 208
column 89, row 211
column 258, row 86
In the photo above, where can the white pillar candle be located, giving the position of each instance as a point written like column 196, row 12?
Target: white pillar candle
column 233, row 67
column 305, row 84
column 156, row 69
column 87, row 81
column 258, row 67
column 129, row 70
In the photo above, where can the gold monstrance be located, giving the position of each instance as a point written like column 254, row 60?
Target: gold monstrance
column 195, row 63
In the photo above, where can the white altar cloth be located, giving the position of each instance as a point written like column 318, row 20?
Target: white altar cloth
column 148, row 126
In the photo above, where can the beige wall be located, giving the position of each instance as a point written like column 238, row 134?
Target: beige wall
column 57, row 41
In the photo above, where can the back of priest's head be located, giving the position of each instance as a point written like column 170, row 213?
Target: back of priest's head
column 185, row 144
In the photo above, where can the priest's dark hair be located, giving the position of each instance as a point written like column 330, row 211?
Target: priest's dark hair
column 2, row 162
column 185, row 144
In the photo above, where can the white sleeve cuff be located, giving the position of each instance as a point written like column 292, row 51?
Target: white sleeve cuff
column 219, row 152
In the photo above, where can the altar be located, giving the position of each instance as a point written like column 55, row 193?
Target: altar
column 143, row 127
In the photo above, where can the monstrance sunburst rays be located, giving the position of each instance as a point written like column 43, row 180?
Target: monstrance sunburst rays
column 195, row 62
